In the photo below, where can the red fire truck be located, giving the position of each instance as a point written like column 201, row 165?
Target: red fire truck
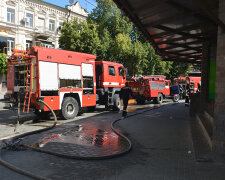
column 193, row 83
column 65, row 80
column 150, row 87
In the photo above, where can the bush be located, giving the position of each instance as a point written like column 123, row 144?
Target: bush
column 3, row 63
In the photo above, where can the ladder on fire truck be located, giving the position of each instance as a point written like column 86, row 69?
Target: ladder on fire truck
column 110, row 97
column 28, row 87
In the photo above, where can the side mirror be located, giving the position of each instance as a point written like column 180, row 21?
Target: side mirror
column 126, row 71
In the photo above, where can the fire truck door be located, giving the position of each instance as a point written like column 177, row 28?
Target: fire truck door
column 121, row 77
column 89, row 97
column 167, row 87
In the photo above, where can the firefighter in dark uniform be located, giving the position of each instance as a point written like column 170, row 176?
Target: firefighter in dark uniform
column 187, row 95
column 125, row 95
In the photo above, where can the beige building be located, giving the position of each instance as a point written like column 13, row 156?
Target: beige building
column 29, row 22
column 32, row 22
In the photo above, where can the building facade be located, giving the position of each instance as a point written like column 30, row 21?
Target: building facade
column 34, row 22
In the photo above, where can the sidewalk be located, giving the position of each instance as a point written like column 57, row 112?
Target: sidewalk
column 2, row 105
column 162, row 149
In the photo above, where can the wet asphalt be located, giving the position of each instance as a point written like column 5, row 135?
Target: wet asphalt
column 161, row 139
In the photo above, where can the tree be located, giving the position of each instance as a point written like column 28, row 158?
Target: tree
column 178, row 69
column 111, row 36
column 3, row 63
column 109, row 17
column 79, row 36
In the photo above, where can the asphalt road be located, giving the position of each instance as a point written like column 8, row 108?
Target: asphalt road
column 8, row 119
column 162, row 147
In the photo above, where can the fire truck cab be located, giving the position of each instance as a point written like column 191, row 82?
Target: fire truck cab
column 65, row 80
column 110, row 77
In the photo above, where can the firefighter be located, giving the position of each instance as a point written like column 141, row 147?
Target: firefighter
column 199, row 88
column 187, row 95
column 125, row 95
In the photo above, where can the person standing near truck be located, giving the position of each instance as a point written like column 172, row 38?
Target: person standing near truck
column 125, row 96
column 187, row 95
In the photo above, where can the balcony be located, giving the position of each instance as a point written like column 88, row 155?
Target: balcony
column 43, row 33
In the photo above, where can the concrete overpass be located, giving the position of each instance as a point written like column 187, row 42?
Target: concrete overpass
column 190, row 31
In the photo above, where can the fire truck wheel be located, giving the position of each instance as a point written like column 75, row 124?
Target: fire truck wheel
column 70, row 108
column 159, row 99
column 176, row 98
column 116, row 102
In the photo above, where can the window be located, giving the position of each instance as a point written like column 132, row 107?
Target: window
column 154, row 86
column 112, row 71
column 88, row 85
column 70, row 83
column 3, row 43
column 60, row 27
column 10, row 43
column 29, row 20
column 121, row 71
column 28, row 44
column 10, row 15
column 51, row 25
column 49, row 46
column 161, row 86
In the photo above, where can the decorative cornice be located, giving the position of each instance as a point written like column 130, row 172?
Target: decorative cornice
column 42, row 12
column 11, row 3
column 29, row 8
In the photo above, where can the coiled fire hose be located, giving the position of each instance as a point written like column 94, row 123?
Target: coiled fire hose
column 33, row 176
column 16, row 140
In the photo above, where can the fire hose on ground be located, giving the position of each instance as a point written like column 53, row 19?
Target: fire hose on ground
column 15, row 145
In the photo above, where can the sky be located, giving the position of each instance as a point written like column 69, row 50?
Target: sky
column 86, row 4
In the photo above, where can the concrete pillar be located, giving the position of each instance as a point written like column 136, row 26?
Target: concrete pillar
column 219, row 106
column 204, row 77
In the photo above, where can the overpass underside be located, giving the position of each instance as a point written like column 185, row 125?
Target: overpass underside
column 190, row 31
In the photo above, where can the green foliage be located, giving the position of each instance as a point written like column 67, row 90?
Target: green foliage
column 178, row 69
column 108, row 16
column 111, row 36
column 3, row 63
column 79, row 36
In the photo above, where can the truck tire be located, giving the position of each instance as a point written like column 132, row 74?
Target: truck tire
column 70, row 108
column 159, row 99
column 176, row 98
column 116, row 102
